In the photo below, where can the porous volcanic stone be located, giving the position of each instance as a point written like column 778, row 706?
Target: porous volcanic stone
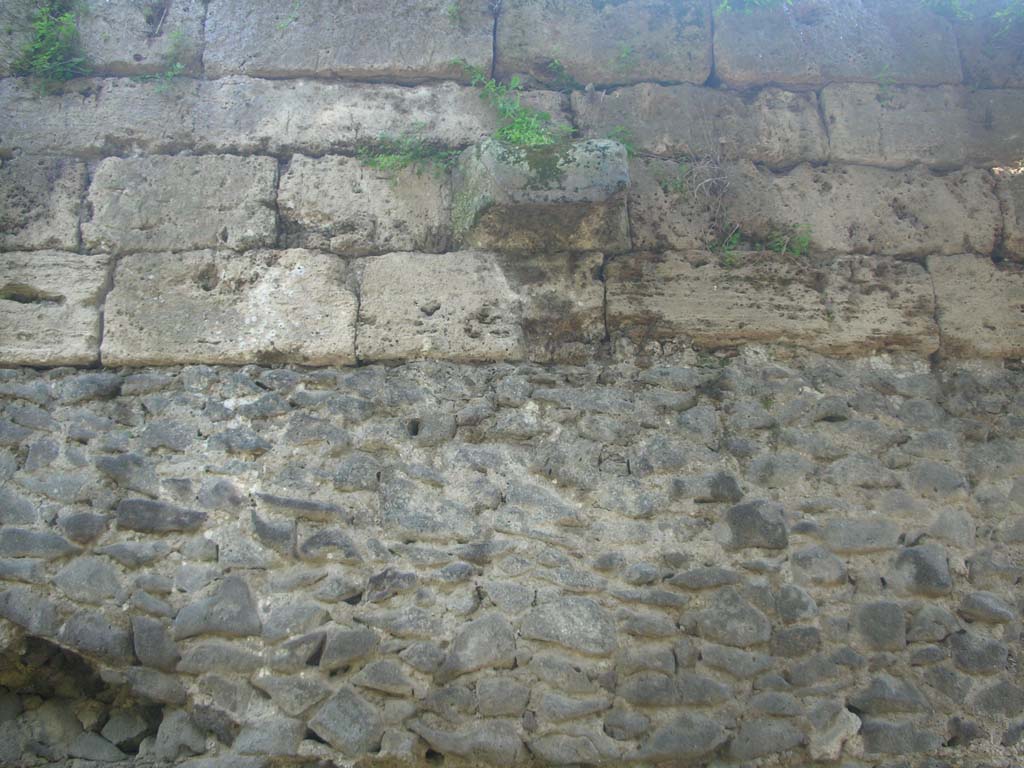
column 349, row 723
column 39, row 203
column 577, row 623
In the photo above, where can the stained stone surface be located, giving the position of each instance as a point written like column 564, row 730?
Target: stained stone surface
column 39, row 203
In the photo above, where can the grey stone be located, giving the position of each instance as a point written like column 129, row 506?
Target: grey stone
column 897, row 737
column 149, row 516
column 577, row 623
column 229, row 610
column 817, row 566
column 83, row 527
column 700, row 691
column 764, row 736
column 923, row 570
column 886, row 694
column 795, row 604
column 485, row 642
column 409, row 622
column 28, row 542
column 177, row 737
column 343, row 646
column 757, row 524
column 125, row 729
column 881, row 625
column 28, row 570
column 293, row 618
column 688, row 737
column 348, row 723
column 134, row 554
column 219, row 656
column 423, row 656
column 293, row 694
column 648, row 689
column 710, row 577
column 270, row 736
column 89, row 580
column 1003, row 698
column 625, row 725
column 932, row 623
column 30, row 610
column 39, row 203
column 501, row 697
column 130, row 471
column 729, row 619
column 384, row 675
column 92, row 746
column 153, row 644
column 242, row 441
column 94, row 634
column 388, row 583
column 493, row 742
column 986, row 607
column 151, row 685
column 330, row 545
column 792, row 642
column 978, row 655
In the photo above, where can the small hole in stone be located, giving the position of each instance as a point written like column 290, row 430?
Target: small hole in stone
column 414, row 427
column 311, row 736
column 354, row 600
column 434, row 758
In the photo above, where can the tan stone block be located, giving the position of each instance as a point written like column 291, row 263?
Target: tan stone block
column 857, row 209
column 395, row 40
column 451, row 306
column 980, row 306
column 242, row 114
column 50, row 307
column 672, row 204
column 576, row 42
column 97, row 117
column 1010, row 186
column 40, row 199
column 810, row 43
column 775, row 127
column 848, row 307
column 337, row 204
column 219, row 307
column 182, row 203
column 943, row 127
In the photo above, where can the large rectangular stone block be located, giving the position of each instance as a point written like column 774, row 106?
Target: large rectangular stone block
column 847, row 307
column 990, row 48
column 182, row 203
column 1010, row 185
column 857, row 209
column 571, row 43
column 562, row 197
column 980, row 306
column 673, row 204
column 97, row 117
column 775, row 127
column 40, row 198
column 813, row 44
column 338, row 204
column 394, row 40
column 50, row 307
column 452, row 306
column 944, row 127
column 242, row 114
column 218, row 307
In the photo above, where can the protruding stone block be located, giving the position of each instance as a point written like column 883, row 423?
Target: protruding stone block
column 562, row 197
column 454, row 306
column 395, row 40
column 774, row 127
column 227, row 308
column 242, row 114
column 1010, row 187
column 980, row 306
column 182, row 204
column 50, row 307
column 337, row 204
column 856, row 209
column 943, row 127
column 853, row 306
column 817, row 43
column 573, row 43
column 97, row 117
column 39, row 202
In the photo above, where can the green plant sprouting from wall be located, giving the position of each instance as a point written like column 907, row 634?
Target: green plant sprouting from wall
column 746, row 6
column 54, row 53
column 410, row 149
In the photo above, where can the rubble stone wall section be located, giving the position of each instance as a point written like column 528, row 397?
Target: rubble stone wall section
column 514, row 462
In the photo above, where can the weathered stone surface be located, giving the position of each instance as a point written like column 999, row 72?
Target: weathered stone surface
column 229, row 610
column 215, row 307
column 924, row 570
column 775, row 127
column 339, row 205
column 979, row 306
column 756, row 523
column 764, row 736
column 397, row 40
column 456, row 306
column 990, row 47
column 95, row 634
column 96, row 117
column 343, row 646
column 817, row 45
column 688, row 737
column 181, row 204
column 270, row 736
column 1010, row 188
column 90, row 580
column 349, row 723
column 672, row 204
column 574, row 622
column 293, row 694
column 731, row 620
column 153, row 644
column 569, row 44
column 39, row 203
column 241, row 114
column 493, row 742
column 943, row 127
column 882, row 625
column 484, row 642
column 150, row 516
column 555, row 198
column 837, row 310
column 898, row 737
column 857, row 209
column 50, row 307
column 29, row 542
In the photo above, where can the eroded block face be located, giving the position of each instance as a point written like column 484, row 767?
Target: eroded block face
column 980, row 306
column 574, row 43
column 455, row 306
column 40, row 199
column 182, row 203
column 1010, row 185
column 562, row 197
column 50, row 307
column 338, row 204
column 845, row 307
column 226, row 308
column 396, row 40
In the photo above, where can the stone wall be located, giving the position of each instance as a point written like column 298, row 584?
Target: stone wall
column 693, row 439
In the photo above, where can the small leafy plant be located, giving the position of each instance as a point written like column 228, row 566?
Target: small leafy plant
column 625, row 60
column 174, row 62
column 727, row 247
column 624, row 136
column 291, row 18
column 561, row 79
column 410, row 149
column 54, row 54
column 796, row 243
column 746, row 6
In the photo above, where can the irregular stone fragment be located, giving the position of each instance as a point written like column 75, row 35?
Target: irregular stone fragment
column 89, row 580
column 29, row 542
column 385, row 676
column 924, row 570
column 822, row 45
column 977, row 654
column 153, row 644
column 731, row 620
column 500, row 696
column 398, row 40
column 688, row 737
column 548, row 198
column 130, row 202
column 343, row 646
column 886, row 694
column 756, row 524
column 484, row 642
column 882, row 625
column 569, row 45
column 270, row 736
column 92, row 746
column 93, row 633
column 151, row 685
column 130, row 471
column 125, row 729
column 979, row 306
column 39, row 201
column 764, row 736
column 897, row 737
column 577, row 623
column 493, row 742
column 985, row 606
column 348, row 723
column 827, row 743
column 229, row 610
column 178, row 736
column 1010, row 188
column 817, row 566
column 212, row 307
column 332, row 545
column 30, row 610
column 860, row 536
column 293, row 694
column 49, row 307
column 148, row 516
